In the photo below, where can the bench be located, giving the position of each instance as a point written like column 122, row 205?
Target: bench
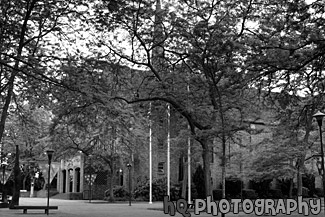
column 25, row 208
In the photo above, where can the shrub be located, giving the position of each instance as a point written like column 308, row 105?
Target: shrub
column 217, row 194
column 319, row 192
column 198, row 180
column 261, row 187
column 158, row 190
column 308, row 181
column 175, row 192
column 233, row 188
column 275, row 194
column 249, row 194
column 119, row 192
column 305, row 192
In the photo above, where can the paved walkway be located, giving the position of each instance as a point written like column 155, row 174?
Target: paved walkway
column 82, row 208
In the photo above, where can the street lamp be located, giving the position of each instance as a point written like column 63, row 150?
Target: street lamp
column 49, row 153
column 32, row 173
column 4, row 197
column 120, row 181
column 129, row 168
column 319, row 118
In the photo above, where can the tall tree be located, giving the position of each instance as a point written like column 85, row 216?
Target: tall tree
column 290, row 60
column 202, row 47
column 28, row 54
column 87, row 121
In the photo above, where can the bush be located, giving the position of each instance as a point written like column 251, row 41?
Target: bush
column 119, row 193
column 308, row 181
column 141, row 192
column 217, row 194
column 275, row 194
column 233, row 188
column 175, row 192
column 261, row 187
column 305, row 192
column 158, row 190
column 198, row 180
column 319, row 192
column 249, row 194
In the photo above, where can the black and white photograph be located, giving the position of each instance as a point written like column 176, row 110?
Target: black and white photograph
column 157, row 108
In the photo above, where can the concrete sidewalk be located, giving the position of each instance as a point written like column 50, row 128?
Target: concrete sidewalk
column 74, row 208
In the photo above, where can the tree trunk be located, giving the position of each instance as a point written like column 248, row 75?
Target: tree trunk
column 17, row 181
column 300, row 165
column 299, row 182
column 111, row 192
column 184, row 182
column 290, row 188
column 223, row 164
column 5, row 107
column 206, row 168
column 4, row 195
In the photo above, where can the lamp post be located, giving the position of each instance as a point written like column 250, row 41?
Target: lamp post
column 129, row 168
column 3, row 164
column 49, row 153
column 32, row 172
column 319, row 118
column 120, row 180
column 90, row 176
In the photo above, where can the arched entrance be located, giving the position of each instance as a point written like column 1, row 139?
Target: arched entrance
column 71, row 175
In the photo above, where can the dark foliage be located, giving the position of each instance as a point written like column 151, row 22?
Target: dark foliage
column 198, row 180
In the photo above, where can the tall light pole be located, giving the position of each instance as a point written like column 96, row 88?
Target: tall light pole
column 129, row 168
column 168, row 149
column 32, row 168
column 189, row 170
column 189, row 186
column 49, row 153
column 90, row 176
column 319, row 117
column 150, row 156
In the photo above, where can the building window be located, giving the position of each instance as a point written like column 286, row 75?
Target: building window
column 161, row 167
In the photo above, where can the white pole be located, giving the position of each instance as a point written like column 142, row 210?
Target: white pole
column 168, row 149
column 150, row 157
column 189, row 169
column 0, row 152
column 189, row 161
